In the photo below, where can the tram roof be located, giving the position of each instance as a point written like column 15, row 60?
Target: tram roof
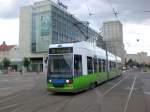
column 99, row 52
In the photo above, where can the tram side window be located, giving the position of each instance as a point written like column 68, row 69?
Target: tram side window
column 95, row 65
column 77, row 65
column 89, row 65
column 99, row 62
column 110, row 65
column 114, row 65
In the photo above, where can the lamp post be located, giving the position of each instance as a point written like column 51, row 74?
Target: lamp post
column 105, row 47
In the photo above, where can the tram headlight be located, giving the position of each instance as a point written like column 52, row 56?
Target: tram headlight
column 50, row 81
column 68, row 81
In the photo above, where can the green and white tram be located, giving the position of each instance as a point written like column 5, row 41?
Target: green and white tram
column 73, row 67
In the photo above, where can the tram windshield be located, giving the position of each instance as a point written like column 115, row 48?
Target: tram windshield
column 60, row 66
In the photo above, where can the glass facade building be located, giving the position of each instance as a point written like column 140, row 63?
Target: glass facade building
column 52, row 24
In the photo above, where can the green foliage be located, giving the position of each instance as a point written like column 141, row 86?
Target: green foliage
column 5, row 63
column 1, row 65
column 26, row 63
column 132, row 63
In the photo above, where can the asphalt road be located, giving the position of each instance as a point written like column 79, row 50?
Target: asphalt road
column 27, row 93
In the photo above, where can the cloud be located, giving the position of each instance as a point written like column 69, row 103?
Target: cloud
column 9, row 31
column 130, row 10
column 136, row 22
column 133, row 10
column 10, row 8
column 132, row 32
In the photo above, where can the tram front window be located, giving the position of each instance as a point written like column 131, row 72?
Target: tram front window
column 60, row 66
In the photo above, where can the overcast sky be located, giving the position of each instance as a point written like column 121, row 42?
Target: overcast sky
column 136, row 22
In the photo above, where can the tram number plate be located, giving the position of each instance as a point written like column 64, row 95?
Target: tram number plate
column 58, row 81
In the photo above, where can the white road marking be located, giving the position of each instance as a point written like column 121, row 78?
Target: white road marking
column 129, row 96
column 129, row 88
column 14, row 110
column 6, row 99
column 9, row 106
column 147, row 93
column 114, row 86
column 11, row 75
column 5, row 88
column 4, row 80
column 101, row 96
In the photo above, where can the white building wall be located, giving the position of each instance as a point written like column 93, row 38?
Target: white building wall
column 3, row 54
column 139, row 57
column 14, row 54
column 25, row 31
column 25, row 34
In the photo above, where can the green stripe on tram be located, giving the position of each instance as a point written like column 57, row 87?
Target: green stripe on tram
column 84, row 81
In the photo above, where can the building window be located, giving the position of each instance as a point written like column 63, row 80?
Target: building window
column 45, row 25
column 100, row 64
column 95, row 65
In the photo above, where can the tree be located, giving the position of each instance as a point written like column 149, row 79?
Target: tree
column 132, row 63
column 26, row 63
column 5, row 63
column 1, row 65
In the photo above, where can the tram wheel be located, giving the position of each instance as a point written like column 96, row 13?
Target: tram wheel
column 92, row 85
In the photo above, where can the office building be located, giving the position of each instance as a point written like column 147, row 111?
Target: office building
column 113, row 36
column 141, row 58
column 45, row 23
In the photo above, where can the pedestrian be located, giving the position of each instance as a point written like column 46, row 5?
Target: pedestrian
column 21, row 72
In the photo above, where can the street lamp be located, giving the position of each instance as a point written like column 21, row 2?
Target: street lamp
column 105, row 47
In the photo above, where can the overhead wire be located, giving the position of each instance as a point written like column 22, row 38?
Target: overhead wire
column 113, row 9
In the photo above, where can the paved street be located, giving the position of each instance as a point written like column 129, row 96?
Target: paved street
column 27, row 93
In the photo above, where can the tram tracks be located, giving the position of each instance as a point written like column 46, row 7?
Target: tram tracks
column 26, row 99
column 23, row 104
column 17, row 98
column 59, row 103
column 43, row 103
column 88, row 106
column 64, row 106
column 129, row 96
column 27, row 104
column 101, row 96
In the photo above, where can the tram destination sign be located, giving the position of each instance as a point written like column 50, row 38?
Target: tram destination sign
column 60, row 50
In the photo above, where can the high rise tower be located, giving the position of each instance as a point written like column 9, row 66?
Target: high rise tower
column 113, row 36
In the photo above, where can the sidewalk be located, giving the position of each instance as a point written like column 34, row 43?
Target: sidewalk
column 25, row 73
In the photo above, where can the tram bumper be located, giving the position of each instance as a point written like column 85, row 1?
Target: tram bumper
column 59, row 89
column 61, row 85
